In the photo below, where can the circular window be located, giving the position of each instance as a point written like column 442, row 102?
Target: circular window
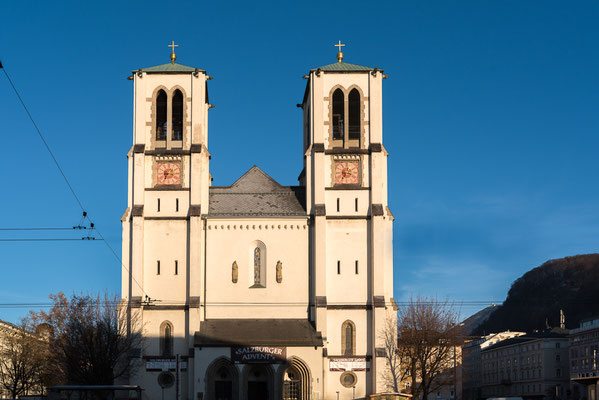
column 166, row 380
column 348, row 379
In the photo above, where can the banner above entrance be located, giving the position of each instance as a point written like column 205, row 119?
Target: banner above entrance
column 259, row 355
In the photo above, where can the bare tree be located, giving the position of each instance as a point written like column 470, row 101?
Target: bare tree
column 428, row 335
column 393, row 375
column 21, row 362
column 90, row 342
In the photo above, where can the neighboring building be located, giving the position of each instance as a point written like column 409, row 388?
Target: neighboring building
column 584, row 359
column 472, row 361
column 450, row 379
column 533, row 366
column 259, row 290
column 13, row 342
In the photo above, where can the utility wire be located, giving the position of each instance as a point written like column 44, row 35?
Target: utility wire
column 85, row 215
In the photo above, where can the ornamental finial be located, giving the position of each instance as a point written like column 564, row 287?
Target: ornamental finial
column 339, row 54
column 173, row 55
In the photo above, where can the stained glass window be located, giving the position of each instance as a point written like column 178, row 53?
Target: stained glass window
column 257, row 265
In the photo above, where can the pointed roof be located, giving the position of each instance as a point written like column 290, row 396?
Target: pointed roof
column 255, row 194
column 255, row 180
column 172, row 68
column 344, row 67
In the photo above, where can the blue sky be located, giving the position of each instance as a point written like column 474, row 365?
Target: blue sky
column 490, row 118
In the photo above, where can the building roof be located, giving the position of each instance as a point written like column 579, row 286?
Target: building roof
column 257, row 332
column 256, row 194
column 171, row 68
column 527, row 338
column 344, row 67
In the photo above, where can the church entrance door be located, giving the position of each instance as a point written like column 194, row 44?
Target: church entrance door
column 257, row 391
column 223, row 390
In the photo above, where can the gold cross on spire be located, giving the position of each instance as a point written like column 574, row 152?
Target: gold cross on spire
column 340, row 54
column 173, row 55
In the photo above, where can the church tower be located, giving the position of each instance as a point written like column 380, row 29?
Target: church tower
column 345, row 175
column 168, row 189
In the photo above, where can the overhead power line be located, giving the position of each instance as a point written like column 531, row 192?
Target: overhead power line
column 64, row 176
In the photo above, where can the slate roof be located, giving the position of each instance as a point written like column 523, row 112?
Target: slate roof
column 256, row 194
column 171, row 68
column 344, row 67
column 257, row 332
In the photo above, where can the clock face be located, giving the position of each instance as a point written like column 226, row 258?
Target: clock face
column 168, row 173
column 346, row 172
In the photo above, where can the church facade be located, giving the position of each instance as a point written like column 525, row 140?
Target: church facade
column 259, row 290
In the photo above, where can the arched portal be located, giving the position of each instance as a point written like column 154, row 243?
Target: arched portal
column 222, row 380
column 297, row 382
column 258, row 382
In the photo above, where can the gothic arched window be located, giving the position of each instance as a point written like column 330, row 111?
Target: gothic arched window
column 161, row 117
column 177, row 109
column 166, row 339
column 257, row 266
column 348, row 338
column 338, row 114
column 354, row 115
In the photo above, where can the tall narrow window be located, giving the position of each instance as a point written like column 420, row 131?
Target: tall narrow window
column 178, row 115
column 257, row 266
column 356, row 267
column 354, row 115
column 166, row 339
column 338, row 115
column 158, row 205
column 158, row 267
column 161, row 125
column 177, row 267
column 356, row 204
column 338, row 267
column 337, row 204
column 348, row 338
column 177, row 205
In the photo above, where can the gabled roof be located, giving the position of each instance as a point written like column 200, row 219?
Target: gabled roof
column 256, row 194
column 255, row 180
column 171, row 68
column 344, row 67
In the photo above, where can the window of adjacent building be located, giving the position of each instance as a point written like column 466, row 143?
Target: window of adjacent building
column 558, row 372
column 348, row 338
column 557, row 357
column 557, row 345
column 166, row 339
column 177, row 111
column 338, row 115
column 161, row 116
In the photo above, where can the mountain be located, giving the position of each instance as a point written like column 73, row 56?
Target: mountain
column 536, row 298
column 470, row 324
